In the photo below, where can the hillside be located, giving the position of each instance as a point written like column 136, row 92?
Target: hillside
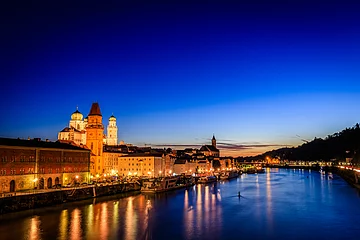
column 337, row 146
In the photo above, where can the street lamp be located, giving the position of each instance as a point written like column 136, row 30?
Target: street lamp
column 35, row 180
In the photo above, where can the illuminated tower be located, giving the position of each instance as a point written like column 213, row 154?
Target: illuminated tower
column 213, row 141
column 112, row 131
column 77, row 120
column 94, row 139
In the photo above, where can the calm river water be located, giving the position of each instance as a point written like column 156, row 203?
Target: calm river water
column 278, row 204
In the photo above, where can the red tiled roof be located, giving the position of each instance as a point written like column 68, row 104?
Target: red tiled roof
column 95, row 109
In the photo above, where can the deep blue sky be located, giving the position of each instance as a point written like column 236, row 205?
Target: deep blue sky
column 258, row 76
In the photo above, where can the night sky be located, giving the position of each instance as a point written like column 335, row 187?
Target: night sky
column 258, row 76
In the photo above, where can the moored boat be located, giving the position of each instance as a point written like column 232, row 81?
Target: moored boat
column 229, row 175
column 207, row 179
column 163, row 184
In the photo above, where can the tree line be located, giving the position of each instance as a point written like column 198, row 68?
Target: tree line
column 335, row 147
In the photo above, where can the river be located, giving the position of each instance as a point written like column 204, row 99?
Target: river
column 278, row 204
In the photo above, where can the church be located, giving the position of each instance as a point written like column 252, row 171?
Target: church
column 90, row 132
column 77, row 130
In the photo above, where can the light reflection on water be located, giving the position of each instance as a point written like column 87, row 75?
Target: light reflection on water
column 273, row 205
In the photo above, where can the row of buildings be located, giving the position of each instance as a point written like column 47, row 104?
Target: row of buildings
column 29, row 164
column 83, row 153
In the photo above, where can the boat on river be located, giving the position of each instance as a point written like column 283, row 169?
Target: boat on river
column 164, row 184
column 207, row 179
column 229, row 175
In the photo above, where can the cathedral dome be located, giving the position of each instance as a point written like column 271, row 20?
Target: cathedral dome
column 112, row 118
column 76, row 115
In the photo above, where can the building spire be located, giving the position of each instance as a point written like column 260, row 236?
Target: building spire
column 95, row 109
column 213, row 141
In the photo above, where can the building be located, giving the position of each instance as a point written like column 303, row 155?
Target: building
column 29, row 164
column 192, row 166
column 111, row 161
column 72, row 134
column 112, row 130
column 90, row 132
column 210, row 150
column 76, row 130
column 94, row 139
column 134, row 164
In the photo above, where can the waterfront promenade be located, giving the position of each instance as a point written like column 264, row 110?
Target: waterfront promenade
column 278, row 204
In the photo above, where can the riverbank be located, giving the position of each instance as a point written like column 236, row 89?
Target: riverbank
column 37, row 200
column 348, row 176
column 312, row 167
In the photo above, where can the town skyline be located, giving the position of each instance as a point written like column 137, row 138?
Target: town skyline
column 258, row 76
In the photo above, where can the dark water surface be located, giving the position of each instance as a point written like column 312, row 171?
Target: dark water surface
column 279, row 204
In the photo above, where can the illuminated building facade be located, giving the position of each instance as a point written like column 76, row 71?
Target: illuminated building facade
column 94, row 139
column 111, row 138
column 76, row 131
column 29, row 164
column 135, row 164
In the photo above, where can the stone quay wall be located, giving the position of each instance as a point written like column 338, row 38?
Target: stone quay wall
column 13, row 203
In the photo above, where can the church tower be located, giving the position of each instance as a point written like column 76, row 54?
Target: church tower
column 94, row 139
column 77, row 120
column 213, row 141
column 112, row 130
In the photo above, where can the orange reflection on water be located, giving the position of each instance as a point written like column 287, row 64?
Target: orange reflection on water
column 104, row 224
column 269, row 198
column 75, row 225
column 188, row 215
column 206, row 207
column 199, row 206
column 90, row 221
column 116, row 213
column 64, row 219
column 34, row 228
column 130, row 220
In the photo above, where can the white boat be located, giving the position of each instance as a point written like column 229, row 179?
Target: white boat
column 155, row 185
column 229, row 175
column 207, row 179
